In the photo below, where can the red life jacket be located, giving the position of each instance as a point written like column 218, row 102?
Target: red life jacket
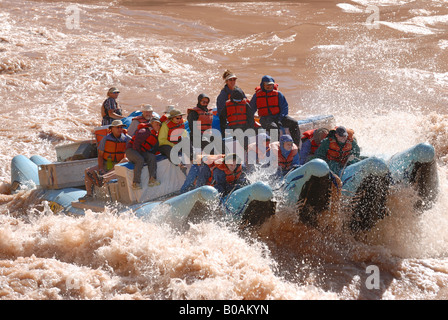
column 175, row 131
column 150, row 141
column 236, row 113
column 310, row 135
column 284, row 163
column 204, row 121
column 267, row 102
column 114, row 149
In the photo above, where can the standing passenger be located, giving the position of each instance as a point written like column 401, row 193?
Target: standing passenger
column 110, row 110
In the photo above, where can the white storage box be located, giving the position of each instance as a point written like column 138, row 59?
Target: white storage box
column 67, row 174
column 171, row 180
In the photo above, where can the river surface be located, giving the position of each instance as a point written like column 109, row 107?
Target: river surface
column 380, row 67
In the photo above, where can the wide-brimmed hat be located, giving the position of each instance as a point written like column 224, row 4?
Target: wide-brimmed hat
column 116, row 123
column 147, row 107
column 113, row 90
column 175, row 113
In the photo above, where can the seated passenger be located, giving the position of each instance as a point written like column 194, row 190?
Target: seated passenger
column 111, row 150
column 227, row 174
column 110, row 109
column 171, row 132
column 142, row 149
column 145, row 117
column 286, row 153
column 337, row 148
column 166, row 113
column 311, row 140
column 273, row 108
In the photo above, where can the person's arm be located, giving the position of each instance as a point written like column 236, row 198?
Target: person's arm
column 133, row 127
column 253, row 103
column 109, row 106
column 283, row 104
column 356, row 151
column 321, row 152
column 221, row 109
column 296, row 160
column 220, row 180
column 163, row 136
column 305, row 151
column 101, row 147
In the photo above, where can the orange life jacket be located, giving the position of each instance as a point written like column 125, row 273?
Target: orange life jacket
column 175, row 131
column 204, row 121
column 310, row 135
column 284, row 163
column 236, row 113
column 267, row 102
column 217, row 162
column 338, row 154
column 114, row 149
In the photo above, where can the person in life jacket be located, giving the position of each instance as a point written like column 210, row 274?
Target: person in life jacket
column 170, row 134
column 142, row 149
column 336, row 149
column 200, row 119
column 111, row 150
column 166, row 113
column 238, row 112
column 230, row 83
column 145, row 117
column 286, row 153
column 311, row 140
column 227, row 174
column 110, row 110
column 273, row 108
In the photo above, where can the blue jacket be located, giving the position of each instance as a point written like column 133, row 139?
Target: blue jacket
column 283, row 104
column 305, row 150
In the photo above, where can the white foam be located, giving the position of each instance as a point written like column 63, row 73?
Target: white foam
column 346, row 7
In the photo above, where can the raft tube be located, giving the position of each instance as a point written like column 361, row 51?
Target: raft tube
column 250, row 205
column 309, row 187
column 365, row 186
column 416, row 168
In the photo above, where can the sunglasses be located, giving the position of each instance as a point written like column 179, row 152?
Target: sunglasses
column 178, row 118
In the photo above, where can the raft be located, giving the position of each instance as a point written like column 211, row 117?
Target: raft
column 61, row 183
